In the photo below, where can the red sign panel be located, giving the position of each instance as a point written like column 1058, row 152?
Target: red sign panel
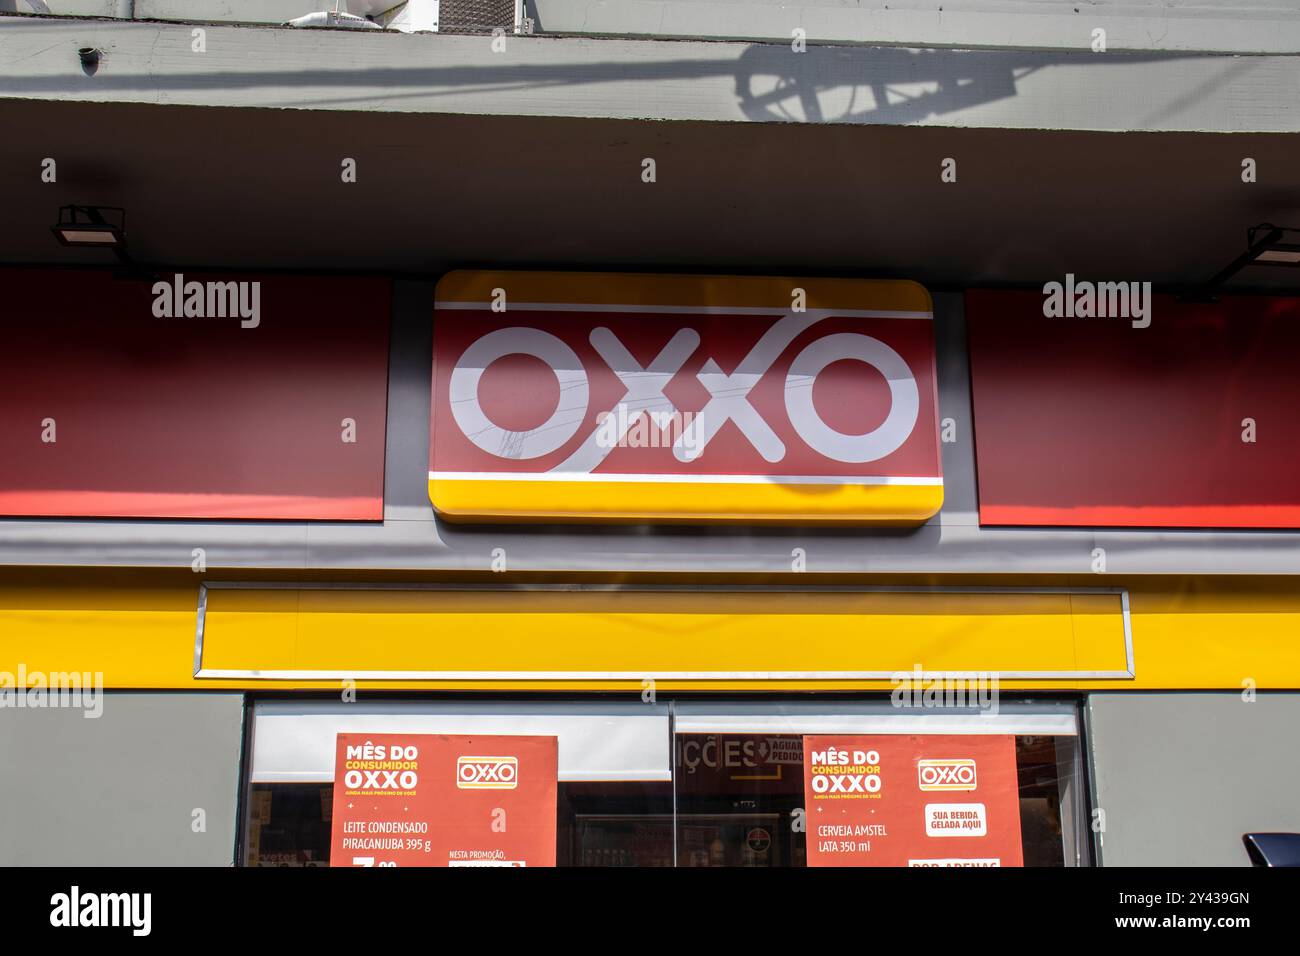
column 433, row 800
column 590, row 396
column 1189, row 422
column 898, row 800
column 193, row 397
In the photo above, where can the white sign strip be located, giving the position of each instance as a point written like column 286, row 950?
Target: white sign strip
column 294, row 745
column 1037, row 725
column 686, row 479
column 678, row 309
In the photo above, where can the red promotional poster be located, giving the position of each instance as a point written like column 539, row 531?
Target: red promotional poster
column 434, row 800
column 901, row 800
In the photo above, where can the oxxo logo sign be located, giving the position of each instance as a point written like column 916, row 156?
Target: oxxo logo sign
column 487, row 773
column 605, row 406
column 957, row 774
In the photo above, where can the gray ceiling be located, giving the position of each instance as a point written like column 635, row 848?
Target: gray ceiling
column 261, row 189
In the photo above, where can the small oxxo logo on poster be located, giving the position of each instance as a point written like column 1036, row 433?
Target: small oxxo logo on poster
column 847, row 773
column 956, row 774
column 487, row 773
column 588, row 397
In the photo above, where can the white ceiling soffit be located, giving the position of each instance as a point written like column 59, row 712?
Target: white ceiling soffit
column 1049, row 718
column 294, row 742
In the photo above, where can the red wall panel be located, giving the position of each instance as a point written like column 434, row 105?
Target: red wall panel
column 192, row 417
column 1093, row 422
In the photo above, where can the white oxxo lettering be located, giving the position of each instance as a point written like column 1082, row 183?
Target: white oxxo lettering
column 729, row 394
column 380, row 779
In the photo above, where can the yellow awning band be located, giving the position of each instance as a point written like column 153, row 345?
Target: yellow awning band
column 1186, row 633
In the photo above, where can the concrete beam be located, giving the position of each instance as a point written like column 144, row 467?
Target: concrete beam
column 1246, row 26
column 1181, row 26
column 260, row 67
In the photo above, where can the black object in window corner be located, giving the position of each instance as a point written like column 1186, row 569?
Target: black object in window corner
column 1273, row 849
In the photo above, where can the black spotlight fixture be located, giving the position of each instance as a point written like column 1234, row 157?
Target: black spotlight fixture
column 1266, row 245
column 102, row 227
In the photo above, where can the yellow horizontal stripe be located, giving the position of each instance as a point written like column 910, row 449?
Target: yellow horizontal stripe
column 613, row 288
column 652, row 633
column 1187, row 633
column 667, row 502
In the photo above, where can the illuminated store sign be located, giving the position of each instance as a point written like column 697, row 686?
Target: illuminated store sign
column 675, row 398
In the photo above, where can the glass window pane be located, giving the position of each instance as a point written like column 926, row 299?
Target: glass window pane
column 740, row 799
column 737, row 797
column 599, row 824
column 737, row 794
column 624, row 824
column 288, row 824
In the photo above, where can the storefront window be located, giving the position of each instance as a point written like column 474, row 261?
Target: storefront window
column 613, row 784
column 740, row 799
column 736, row 793
column 741, row 785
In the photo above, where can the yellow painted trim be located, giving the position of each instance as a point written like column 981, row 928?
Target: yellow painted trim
column 652, row 289
column 639, row 634
column 1188, row 633
column 663, row 502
